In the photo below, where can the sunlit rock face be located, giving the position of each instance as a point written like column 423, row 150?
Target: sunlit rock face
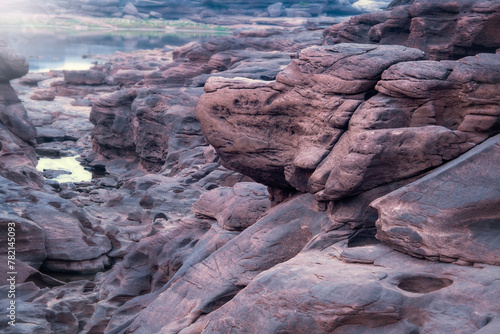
column 443, row 29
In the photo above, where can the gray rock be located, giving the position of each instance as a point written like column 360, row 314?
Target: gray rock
column 12, row 64
column 130, row 9
column 276, row 9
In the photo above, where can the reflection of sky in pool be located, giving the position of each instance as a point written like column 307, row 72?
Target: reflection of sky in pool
column 63, row 48
column 70, row 164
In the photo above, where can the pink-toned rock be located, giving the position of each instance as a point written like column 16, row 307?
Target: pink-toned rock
column 84, row 77
column 443, row 29
column 44, row 95
column 27, row 240
column 278, row 132
column 12, row 64
column 339, row 290
column 366, row 159
column 234, row 208
column 450, row 214
column 275, row 238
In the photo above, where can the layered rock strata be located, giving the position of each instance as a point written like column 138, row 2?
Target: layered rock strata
column 443, row 29
column 344, row 119
column 17, row 133
column 338, row 128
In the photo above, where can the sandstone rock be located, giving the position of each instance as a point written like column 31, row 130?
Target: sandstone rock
column 450, row 214
column 29, row 317
column 363, row 160
column 278, row 236
column 469, row 27
column 155, row 129
column 18, row 160
column 111, row 118
column 12, row 64
column 44, row 95
column 14, row 116
column 436, row 86
column 234, row 208
column 304, row 111
column 336, row 292
column 29, row 240
column 25, row 273
column 84, row 77
column 79, row 243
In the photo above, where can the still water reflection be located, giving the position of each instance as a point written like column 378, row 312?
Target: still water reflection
column 59, row 48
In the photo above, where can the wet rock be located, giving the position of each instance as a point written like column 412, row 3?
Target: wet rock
column 450, row 214
column 53, row 173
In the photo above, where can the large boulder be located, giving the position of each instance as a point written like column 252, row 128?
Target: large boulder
column 278, row 132
column 347, row 118
column 12, row 64
column 152, row 126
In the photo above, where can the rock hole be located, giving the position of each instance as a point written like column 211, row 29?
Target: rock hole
column 160, row 215
column 423, row 284
column 363, row 238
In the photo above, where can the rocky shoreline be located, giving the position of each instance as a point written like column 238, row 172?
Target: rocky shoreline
column 285, row 180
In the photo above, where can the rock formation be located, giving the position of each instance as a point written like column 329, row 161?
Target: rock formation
column 169, row 9
column 443, row 29
column 17, row 133
column 375, row 209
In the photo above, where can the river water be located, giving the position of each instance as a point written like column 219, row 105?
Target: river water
column 66, row 49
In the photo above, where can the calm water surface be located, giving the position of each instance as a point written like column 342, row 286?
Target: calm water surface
column 65, row 49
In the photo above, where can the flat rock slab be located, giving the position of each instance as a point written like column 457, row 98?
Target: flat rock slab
column 320, row 292
column 452, row 214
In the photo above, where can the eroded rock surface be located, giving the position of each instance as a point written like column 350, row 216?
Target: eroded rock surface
column 443, row 29
column 17, row 133
column 331, row 131
column 336, row 291
column 450, row 214
column 316, row 130
column 285, row 128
